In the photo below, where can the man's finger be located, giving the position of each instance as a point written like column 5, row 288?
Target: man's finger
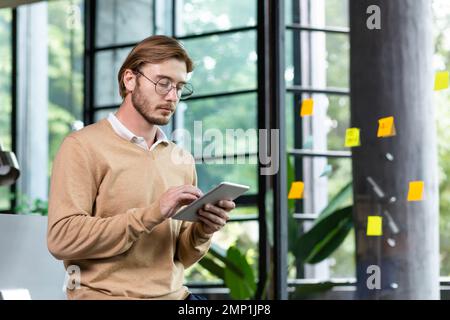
column 191, row 189
column 219, row 220
column 227, row 204
column 186, row 198
column 216, row 210
column 209, row 223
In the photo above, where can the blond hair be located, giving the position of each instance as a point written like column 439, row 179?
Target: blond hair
column 154, row 49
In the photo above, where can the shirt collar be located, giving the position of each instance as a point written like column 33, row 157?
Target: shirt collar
column 125, row 133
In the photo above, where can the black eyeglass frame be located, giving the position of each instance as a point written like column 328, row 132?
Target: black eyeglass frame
column 186, row 86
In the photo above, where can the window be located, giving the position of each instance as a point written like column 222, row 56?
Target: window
column 442, row 98
column 221, row 39
column 317, row 67
column 50, row 92
column 5, row 95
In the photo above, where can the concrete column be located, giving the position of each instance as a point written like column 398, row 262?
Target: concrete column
column 392, row 75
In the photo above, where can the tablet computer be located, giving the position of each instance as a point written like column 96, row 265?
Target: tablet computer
column 224, row 191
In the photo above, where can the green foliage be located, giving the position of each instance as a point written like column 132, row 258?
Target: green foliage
column 233, row 268
column 325, row 236
column 242, row 284
column 25, row 205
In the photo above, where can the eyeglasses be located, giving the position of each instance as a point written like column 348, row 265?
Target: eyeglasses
column 164, row 85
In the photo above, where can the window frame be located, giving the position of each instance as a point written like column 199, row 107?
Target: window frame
column 297, row 88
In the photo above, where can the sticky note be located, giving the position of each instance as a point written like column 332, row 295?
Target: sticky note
column 415, row 192
column 441, row 80
column 327, row 171
column 386, row 127
column 296, row 191
column 307, row 107
column 352, row 137
column 374, row 226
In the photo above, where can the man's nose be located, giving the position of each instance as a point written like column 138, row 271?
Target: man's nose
column 172, row 94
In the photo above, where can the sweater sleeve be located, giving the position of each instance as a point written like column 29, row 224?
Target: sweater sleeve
column 73, row 232
column 193, row 243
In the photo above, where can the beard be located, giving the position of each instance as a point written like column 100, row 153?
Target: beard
column 143, row 107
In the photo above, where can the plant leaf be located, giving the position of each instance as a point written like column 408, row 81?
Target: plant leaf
column 240, row 287
column 343, row 195
column 222, row 255
column 325, row 235
column 213, row 267
column 325, row 248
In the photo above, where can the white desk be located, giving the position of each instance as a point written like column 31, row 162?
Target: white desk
column 25, row 262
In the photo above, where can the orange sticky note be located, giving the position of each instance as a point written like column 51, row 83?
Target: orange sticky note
column 441, row 80
column 386, row 127
column 352, row 137
column 296, row 191
column 415, row 192
column 374, row 226
column 307, row 107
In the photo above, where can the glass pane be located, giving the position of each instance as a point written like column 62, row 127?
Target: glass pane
column 120, row 22
column 338, row 121
column 337, row 13
column 441, row 10
column 5, row 78
column 210, row 175
column 326, row 129
column 199, row 16
column 244, row 211
column 66, row 54
column 221, row 126
column 107, row 67
column 338, row 60
column 321, row 186
column 288, row 12
column 289, row 72
column 223, row 62
column 291, row 117
column 329, row 61
column 243, row 235
column 101, row 114
column 5, row 93
column 342, row 261
column 322, row 13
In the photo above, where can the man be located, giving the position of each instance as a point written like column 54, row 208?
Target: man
column 115, row 185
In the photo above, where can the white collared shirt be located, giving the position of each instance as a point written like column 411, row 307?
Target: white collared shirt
column 125, row 133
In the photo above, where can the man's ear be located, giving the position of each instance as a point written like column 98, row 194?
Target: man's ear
column 129, row 80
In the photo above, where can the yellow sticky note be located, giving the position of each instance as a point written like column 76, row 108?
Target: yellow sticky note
column 296, row 191
column 415, row 192
column 352, row 137
column 441, row 80
column 307, row 107
column 386, row 127
column 374, row 226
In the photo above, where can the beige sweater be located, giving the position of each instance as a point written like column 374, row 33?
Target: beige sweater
column 104, row 217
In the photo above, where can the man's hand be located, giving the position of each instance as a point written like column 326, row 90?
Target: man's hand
column 176, row 197
column 214, row 218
